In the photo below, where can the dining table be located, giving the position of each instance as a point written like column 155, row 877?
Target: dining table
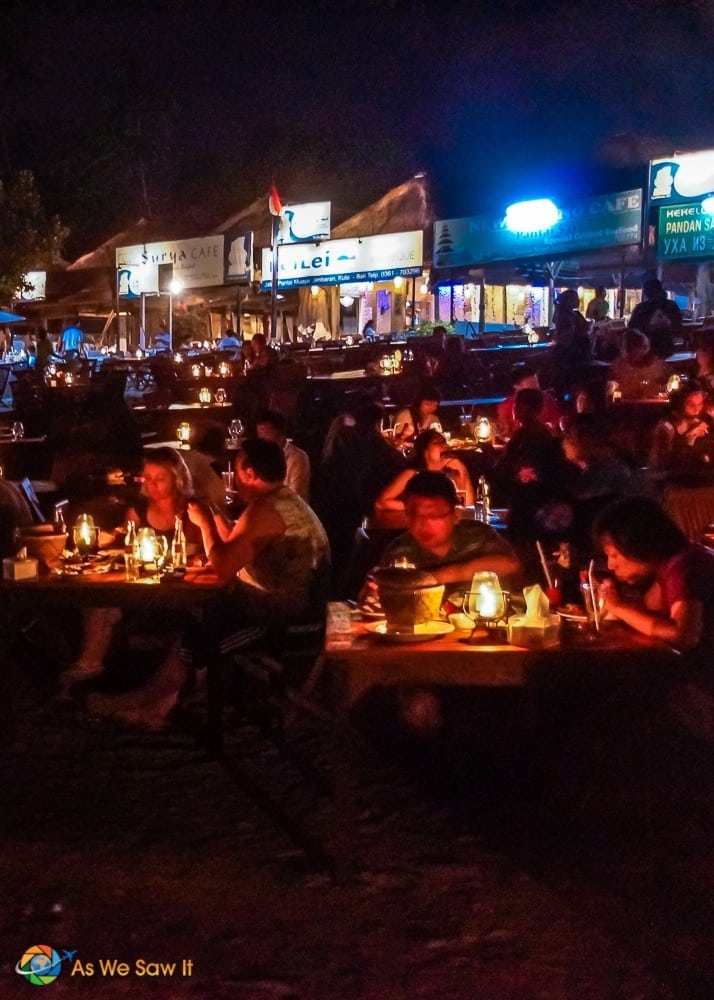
column 29, row 455
column 198, row 594
column 373, row 656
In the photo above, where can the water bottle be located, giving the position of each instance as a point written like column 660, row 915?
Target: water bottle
column 131, row 559
column 178, row 544
column 60, row 528
column 483, row 500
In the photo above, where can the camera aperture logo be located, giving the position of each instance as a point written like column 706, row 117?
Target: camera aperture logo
column 41, row 965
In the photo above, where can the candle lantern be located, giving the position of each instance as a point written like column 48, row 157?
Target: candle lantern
column 145, row 546
column 204, row 396
column 224, row 369
column 178, row 357
column 139, row 354
column 674, row 383
column 532, row 336
column 69, row 378
column 183, row 433
column 485, row 601
column 482, row 429
column 196, row 371
column 150, row 551
column 85, row 535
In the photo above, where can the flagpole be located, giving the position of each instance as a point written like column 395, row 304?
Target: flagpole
column 274, row 293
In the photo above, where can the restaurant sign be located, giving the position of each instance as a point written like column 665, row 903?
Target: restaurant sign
column 238, row 257
column 334, row 262
column 197, row 262
column 586, row 224
column 305, row 223
column 682, row 177
column 685, row 232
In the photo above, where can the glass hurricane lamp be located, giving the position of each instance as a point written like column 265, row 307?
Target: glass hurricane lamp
column 183, row 433
column 482, row 429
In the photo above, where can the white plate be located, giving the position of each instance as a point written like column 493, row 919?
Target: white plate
column 370, row 614
column 421, row 633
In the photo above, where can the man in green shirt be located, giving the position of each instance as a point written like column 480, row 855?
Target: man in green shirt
column 437, row 540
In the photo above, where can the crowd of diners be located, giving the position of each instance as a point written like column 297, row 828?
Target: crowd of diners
column 293, row 537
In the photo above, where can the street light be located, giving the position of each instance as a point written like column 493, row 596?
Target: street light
column 175, row 288
column 532, row 216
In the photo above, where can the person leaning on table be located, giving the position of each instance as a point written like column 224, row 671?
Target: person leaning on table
column 451, row 550
column 662, row 585
column 439, row 541
column 276, row 555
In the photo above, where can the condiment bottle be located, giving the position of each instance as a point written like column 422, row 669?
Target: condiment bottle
column 178, row 544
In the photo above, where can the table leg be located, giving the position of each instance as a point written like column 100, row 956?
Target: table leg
column 214, row 702
column 344, row 854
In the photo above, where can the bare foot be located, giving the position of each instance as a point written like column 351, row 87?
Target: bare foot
column 80, row 671
column 138, row 713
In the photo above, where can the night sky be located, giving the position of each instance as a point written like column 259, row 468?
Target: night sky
column 125, row 109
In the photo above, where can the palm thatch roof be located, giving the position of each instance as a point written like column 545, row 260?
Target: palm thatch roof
column 405, row 208
column 142, row 231
column 256, row 218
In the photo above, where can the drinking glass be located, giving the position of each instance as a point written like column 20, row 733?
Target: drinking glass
column 593, row 603
column 235, row 431
column 162, row 553
column 131, row 565
column 553, row 589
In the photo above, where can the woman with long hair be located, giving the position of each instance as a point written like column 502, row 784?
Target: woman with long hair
column 431, row 453
column 421, row 416
column 165, row 492
column 684, row 440
column 166, row 488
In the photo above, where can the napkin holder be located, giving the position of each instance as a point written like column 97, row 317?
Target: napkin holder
column 20, row 568
column 538, row 628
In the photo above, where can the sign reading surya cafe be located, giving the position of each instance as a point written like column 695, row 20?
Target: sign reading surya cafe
column 334, row 262
column 197, row 262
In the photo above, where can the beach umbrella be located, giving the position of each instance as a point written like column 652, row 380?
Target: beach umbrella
column 6, row 317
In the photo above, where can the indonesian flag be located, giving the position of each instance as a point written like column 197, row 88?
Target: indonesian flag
column 274, row 203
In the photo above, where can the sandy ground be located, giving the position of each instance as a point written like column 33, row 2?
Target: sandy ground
column 136, row 847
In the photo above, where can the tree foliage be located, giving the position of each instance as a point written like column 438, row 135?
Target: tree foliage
column 29, row 239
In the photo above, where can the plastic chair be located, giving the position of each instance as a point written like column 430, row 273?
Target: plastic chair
column 690, row 507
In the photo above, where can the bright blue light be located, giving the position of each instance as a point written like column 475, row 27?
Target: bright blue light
column 532, row 216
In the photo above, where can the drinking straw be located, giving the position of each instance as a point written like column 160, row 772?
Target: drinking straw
column 593, row 595
column 544, row 564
